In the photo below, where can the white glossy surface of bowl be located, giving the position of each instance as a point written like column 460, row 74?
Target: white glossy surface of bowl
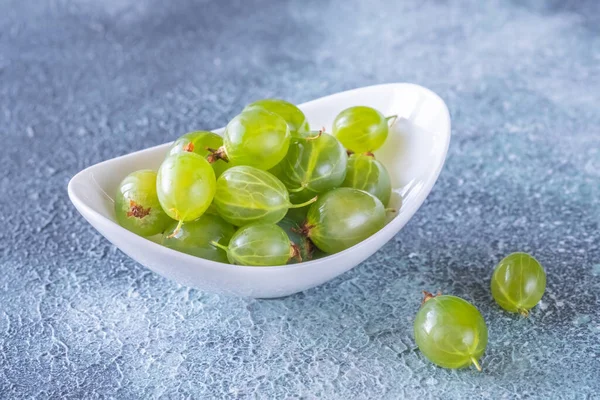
column 414, row 154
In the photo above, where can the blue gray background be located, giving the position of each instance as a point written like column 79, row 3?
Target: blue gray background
column 83, row 81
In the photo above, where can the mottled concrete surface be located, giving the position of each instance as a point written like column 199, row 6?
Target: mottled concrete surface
column 83, row 81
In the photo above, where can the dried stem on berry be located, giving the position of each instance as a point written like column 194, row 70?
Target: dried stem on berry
column 136, row 210
column 316, row 136
column 304, row 229
column 217, row 154
column 295, row 252
column 428, row 296
column 189, row 147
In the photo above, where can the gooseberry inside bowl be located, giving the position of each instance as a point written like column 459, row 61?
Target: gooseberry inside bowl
column 414, row 154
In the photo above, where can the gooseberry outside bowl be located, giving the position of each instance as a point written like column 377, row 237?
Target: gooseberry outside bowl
column 414, row 154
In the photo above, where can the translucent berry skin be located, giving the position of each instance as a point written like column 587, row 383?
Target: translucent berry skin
column 305, row 247
column 247, row 195
column 366, row 173
column 195, row 237
column 198, row 142
column 518, row 283
column 313, row 165
column 259, row 245
column 295, row 118
column 450, row 332
column 257, row 138
column 343, row 217
column 137, row 207
column 185, row 185
column 361, row 129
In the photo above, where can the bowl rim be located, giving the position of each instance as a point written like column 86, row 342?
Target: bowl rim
column 391, row 226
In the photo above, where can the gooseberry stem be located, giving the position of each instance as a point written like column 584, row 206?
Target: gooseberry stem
column 394, row 117
column 219, row 245
column 177, row 229
column 317, row 136
column 428, row 296
column 391, row 210
column 299, row 189
column 523, row 312
column 304, row 204
column 217, row 154
column 476, row 363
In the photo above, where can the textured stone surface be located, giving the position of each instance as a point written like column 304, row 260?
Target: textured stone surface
column 83, row 81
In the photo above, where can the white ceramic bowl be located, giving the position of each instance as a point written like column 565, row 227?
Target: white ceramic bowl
column 414, row 154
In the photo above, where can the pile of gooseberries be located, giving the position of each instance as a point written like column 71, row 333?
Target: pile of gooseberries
column 269, row 192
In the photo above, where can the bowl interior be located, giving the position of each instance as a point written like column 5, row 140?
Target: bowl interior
column 413, row 153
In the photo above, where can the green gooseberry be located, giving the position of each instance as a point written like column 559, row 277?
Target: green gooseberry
column 246, row 195
column 361, row 129
column 293, row 116
column 137, row 207
column 366, row 173
column 313, row 165
column 343, row 217
column 260, row 245
column 256, row 137
column 185, row 185
column 450, row 331
column 196, row 237
column 518, row 283
column 199, row 142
